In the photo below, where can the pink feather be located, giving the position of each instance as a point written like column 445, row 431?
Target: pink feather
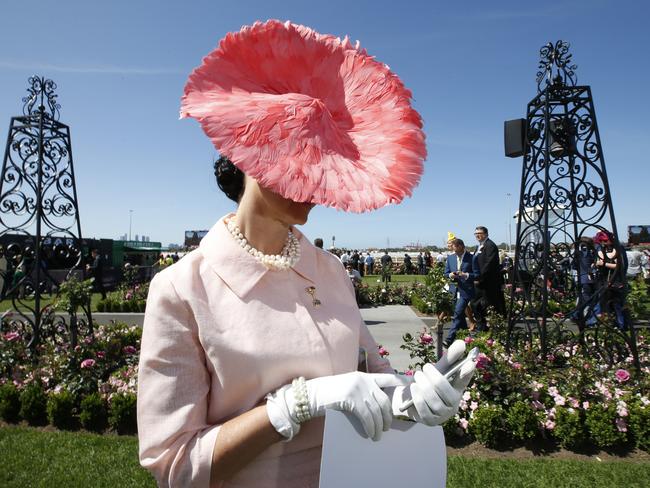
column 309, row 116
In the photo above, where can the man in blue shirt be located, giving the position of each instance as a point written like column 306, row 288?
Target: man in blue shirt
column 460, row 270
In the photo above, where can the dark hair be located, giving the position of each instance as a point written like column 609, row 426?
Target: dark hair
column 458, row 242
column 318, row 242
column 229, row 178
column 483, row 229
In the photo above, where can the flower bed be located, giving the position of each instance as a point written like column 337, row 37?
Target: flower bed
column 131, row 296
column 565, row 397
column 387, row 295
column 92, row 385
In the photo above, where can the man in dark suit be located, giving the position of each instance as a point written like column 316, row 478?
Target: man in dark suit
column 96, row 270
column 460, row 270
column 489, row 280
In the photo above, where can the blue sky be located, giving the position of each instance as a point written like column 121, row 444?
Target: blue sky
column 121, row 66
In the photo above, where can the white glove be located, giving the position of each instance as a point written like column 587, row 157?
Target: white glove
column 435, row 399
column 357, row 393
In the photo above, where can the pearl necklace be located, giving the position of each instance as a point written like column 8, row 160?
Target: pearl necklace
column 287, row 258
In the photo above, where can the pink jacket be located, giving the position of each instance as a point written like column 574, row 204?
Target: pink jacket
column 220, row 332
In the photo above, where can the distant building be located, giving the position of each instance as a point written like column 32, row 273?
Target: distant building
column 193, row 237
column 638, row 234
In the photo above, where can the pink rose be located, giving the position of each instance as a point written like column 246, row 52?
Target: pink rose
column 585, row 405
column 87, row 363
column 129, row 350
column 409, row 372
column 463, row 423
column 490, row 342
column 516, row 365
column 11, row 336
column 426, row 338
column 101, row 354
column 469, row 340
column 486, row 376
column 549, row 424
column 128, row 296
column 622, row 375
column 482, row 361
column 621, row 425
column 537, row 405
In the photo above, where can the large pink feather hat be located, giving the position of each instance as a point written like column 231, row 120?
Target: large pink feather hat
column 309, row 116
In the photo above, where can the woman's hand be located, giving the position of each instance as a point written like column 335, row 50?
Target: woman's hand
column 435, row 398
column 358, row 393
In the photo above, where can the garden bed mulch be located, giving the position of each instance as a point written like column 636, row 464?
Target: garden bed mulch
column 546, row 451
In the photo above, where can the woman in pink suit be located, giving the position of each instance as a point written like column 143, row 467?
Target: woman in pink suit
column 251, row 337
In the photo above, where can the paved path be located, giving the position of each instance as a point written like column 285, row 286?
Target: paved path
column 387, row 325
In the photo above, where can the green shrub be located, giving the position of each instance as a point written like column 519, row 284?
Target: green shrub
column 451, row 429
column 601, row 423
column 420, row 304
column 101, row 306
column 73, row 294
column 488, row 425
column 92, row 413
column 570, row 428
column 9, row 403
column 639, row 423
column 122, row 414
column 60, row 410
column 522, row 421
column 33, row 404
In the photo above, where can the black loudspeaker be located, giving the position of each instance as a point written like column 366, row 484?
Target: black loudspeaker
column 514, row 132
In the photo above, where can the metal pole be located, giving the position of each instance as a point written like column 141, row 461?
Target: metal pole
column 130, row 221
column 34, row 342
column 509, row 222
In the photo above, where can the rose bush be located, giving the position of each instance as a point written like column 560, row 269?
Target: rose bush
column 567, row 396
column 70, row 385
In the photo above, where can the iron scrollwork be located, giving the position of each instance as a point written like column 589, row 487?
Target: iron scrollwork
column 555, row 66
column 564, row 197
column 40, row 231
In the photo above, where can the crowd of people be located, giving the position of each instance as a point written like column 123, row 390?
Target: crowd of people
column 476, row 279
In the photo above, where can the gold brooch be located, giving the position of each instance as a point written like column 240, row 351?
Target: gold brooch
column 311, row 290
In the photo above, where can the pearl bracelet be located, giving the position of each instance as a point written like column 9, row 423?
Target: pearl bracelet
column 301, row 409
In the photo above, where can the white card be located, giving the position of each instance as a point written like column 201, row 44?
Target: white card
column 408, row 455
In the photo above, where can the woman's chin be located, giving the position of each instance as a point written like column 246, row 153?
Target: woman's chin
column 300, row 212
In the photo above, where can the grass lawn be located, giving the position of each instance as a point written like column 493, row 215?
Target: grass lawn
column 8, row 305
column 35, row 458
column 395, row 279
